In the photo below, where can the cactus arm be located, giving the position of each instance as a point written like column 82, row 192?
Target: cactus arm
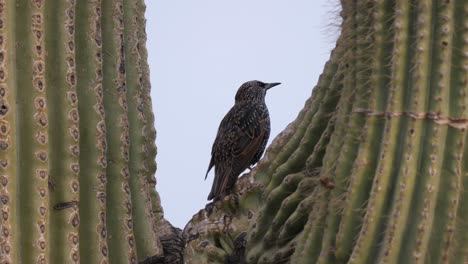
column 76, row 183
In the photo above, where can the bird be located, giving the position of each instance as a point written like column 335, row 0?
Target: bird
column 241, row 139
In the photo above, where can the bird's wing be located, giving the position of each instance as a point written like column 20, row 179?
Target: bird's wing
column 209, row 167
column 218, row 149
column 221, row 179
column 250, row 139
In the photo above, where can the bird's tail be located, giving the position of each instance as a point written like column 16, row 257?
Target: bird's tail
column 211, row 195
column 223, row 181
column 209, row 167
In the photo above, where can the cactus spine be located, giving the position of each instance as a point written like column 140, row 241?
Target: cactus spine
column 374, row 167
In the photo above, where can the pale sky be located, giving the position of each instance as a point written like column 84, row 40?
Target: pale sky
column 200, row 52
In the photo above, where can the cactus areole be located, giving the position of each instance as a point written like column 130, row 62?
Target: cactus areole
column 373, row 170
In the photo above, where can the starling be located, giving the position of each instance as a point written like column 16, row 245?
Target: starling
column 242, row 137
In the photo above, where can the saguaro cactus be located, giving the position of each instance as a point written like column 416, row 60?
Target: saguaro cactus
column 76, row 134
column 373, row 170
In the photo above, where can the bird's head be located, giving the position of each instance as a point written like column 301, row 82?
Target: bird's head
column 253, row 90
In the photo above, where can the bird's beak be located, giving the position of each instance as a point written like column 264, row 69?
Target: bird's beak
column 270, row 85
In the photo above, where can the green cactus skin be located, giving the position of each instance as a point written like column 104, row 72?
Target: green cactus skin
column 8, row 136
column 373, row 170
column 76, row 134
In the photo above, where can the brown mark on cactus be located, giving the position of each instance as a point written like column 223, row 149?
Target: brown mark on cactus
column 64, row 205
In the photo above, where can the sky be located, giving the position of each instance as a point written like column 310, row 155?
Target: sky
column 200, row 52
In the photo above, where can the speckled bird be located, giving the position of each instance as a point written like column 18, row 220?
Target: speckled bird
column 241, row 139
